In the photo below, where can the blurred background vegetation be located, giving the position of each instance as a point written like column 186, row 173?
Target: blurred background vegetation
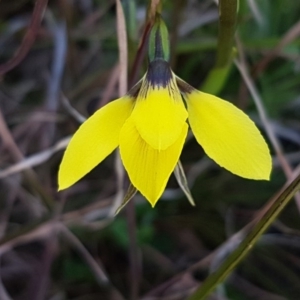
column 70, row 245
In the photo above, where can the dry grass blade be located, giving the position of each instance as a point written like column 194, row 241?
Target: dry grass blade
column 291, row 35
column 30, row 176
column 98, row 272
column 72, row 111
column 39, row 231
column 183, row 183
column 35, row 159
column 242, row 67
column 128, row 196
column 123, row 49
column 123, row 85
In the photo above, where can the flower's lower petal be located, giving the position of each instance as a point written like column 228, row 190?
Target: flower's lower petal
column 228, row 136
column 95, row 139
column 159, row 115
column 148, row 169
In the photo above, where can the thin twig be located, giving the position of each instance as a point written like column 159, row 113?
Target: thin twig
column 8, row 140
column 256, row 12
column 29, row 175
column 96, row 16
column 261, row 65
column 71, row 110
column 39, row 284
column 35, row 159
column 133, row 250
column 111, row 86
column 59, row 32
column 98, row 272
column 38, row 231
column 263, row 115
column 97, row 269
column 123, row 49
column 242, row 67
column 123, row 86
column 29, row 38
column 290, row 35
column 59, row 35
column 130, row 209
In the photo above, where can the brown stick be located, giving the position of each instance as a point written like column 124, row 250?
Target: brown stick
column 29, row 37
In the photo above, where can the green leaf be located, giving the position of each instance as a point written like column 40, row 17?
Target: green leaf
column 247, row 244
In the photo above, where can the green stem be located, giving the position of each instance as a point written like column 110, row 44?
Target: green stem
column 247, row 244
column 130, row 9
column 227, row 25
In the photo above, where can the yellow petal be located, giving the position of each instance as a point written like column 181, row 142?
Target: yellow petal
column 228, row 136
column 95, row 139
column 148, row 169
column 159, row 114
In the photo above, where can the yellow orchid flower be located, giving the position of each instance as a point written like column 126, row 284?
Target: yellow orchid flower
column 149, row 124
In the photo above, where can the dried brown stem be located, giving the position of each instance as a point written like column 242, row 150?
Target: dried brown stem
column 243, row 68
column 133, row 251
column 291, row 35
column 29, row 38
column 141, row 52
column 98, row 272
column 17, row 155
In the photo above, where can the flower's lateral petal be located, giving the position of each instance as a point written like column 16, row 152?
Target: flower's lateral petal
column 228, row 136
column 148, row 169
column 159, row 114
column 95, row 139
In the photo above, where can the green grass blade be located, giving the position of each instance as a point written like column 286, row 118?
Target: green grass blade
column 247, row 244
